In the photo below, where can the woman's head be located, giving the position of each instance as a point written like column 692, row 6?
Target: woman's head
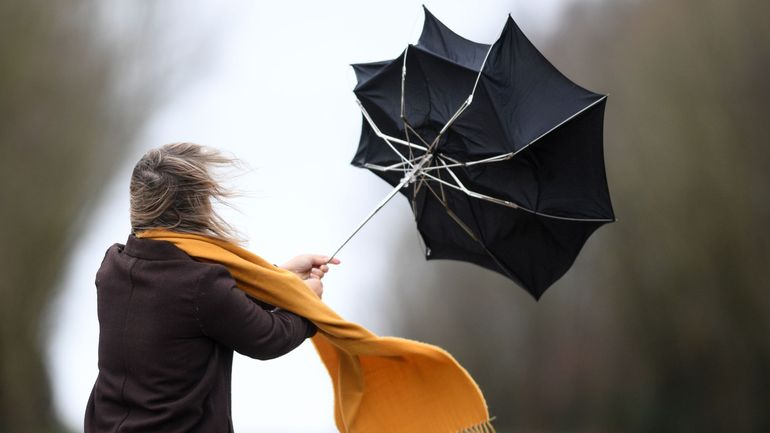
column 172, row 187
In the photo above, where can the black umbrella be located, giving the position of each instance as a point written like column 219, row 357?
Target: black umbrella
column 499, row 154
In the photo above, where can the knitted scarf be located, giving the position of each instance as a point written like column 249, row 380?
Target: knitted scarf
column 381, row 384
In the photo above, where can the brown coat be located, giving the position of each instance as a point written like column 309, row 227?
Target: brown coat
column 168, row 327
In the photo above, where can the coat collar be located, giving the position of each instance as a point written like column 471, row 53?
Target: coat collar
column 153, row 249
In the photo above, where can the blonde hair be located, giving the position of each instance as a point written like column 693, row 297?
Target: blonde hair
column 172, row 187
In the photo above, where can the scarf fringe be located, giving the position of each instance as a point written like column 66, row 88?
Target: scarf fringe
column 482, row 427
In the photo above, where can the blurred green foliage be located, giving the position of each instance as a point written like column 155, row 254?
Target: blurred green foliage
column 662, row 325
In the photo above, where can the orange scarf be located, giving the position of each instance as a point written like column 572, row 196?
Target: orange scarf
column 381, row 384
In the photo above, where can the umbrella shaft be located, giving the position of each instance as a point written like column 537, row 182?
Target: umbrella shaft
column 379, row 206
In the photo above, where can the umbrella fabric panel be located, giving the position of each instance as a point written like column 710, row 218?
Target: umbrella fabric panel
column 365, row 71
column 536, row 250
column 440, row 40
column 520, row 96
column 482, row 130
column 529, row 94
column 448, row 85
column 450, row 231
column 380, row 94
column 532, row 250
column 560, row 175
column 478, row 129
column 574, row 185
column 368, row 144
column 434, row 90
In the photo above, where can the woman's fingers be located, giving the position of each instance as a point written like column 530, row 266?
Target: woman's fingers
column 315, row 285
column 319, row 260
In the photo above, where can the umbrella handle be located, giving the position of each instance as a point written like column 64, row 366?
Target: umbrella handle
column 379, row 206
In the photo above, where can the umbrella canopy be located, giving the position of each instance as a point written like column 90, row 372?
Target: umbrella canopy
column 499, row 154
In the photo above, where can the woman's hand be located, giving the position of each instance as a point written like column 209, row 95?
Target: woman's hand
column 309, row 265
column 315, row 285
column 311, row 268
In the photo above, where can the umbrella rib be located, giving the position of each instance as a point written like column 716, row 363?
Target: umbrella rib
column 468, row 101
column 454, row 216
column 491, row 159
column 470, row 233
column 410, row 128
column 380, row 134
column 376, row 209
column 441, row 185
column 456, row 163
column 484, row 63
column 423, row 175
column 462, row 107
column 402, row 142
column 509, row 155
column 441, row 181
column 412, row 200
column 408, row 177
column 385, row 137
column 403, row 83
column 561, row 123
column 384, row 169
column 416, row 169
column 403, row 114
column 511, row 204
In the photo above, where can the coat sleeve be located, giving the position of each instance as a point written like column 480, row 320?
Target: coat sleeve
column 227, row 315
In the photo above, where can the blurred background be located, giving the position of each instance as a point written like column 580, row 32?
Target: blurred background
column 661, row 325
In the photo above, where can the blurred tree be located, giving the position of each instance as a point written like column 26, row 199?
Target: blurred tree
column 662, row 324
column 75, row 85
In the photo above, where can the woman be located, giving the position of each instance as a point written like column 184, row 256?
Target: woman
column 169, row 324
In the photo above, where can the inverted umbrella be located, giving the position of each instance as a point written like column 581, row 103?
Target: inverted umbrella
column 499, row 154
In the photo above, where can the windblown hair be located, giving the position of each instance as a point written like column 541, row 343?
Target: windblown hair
column 172, row 187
